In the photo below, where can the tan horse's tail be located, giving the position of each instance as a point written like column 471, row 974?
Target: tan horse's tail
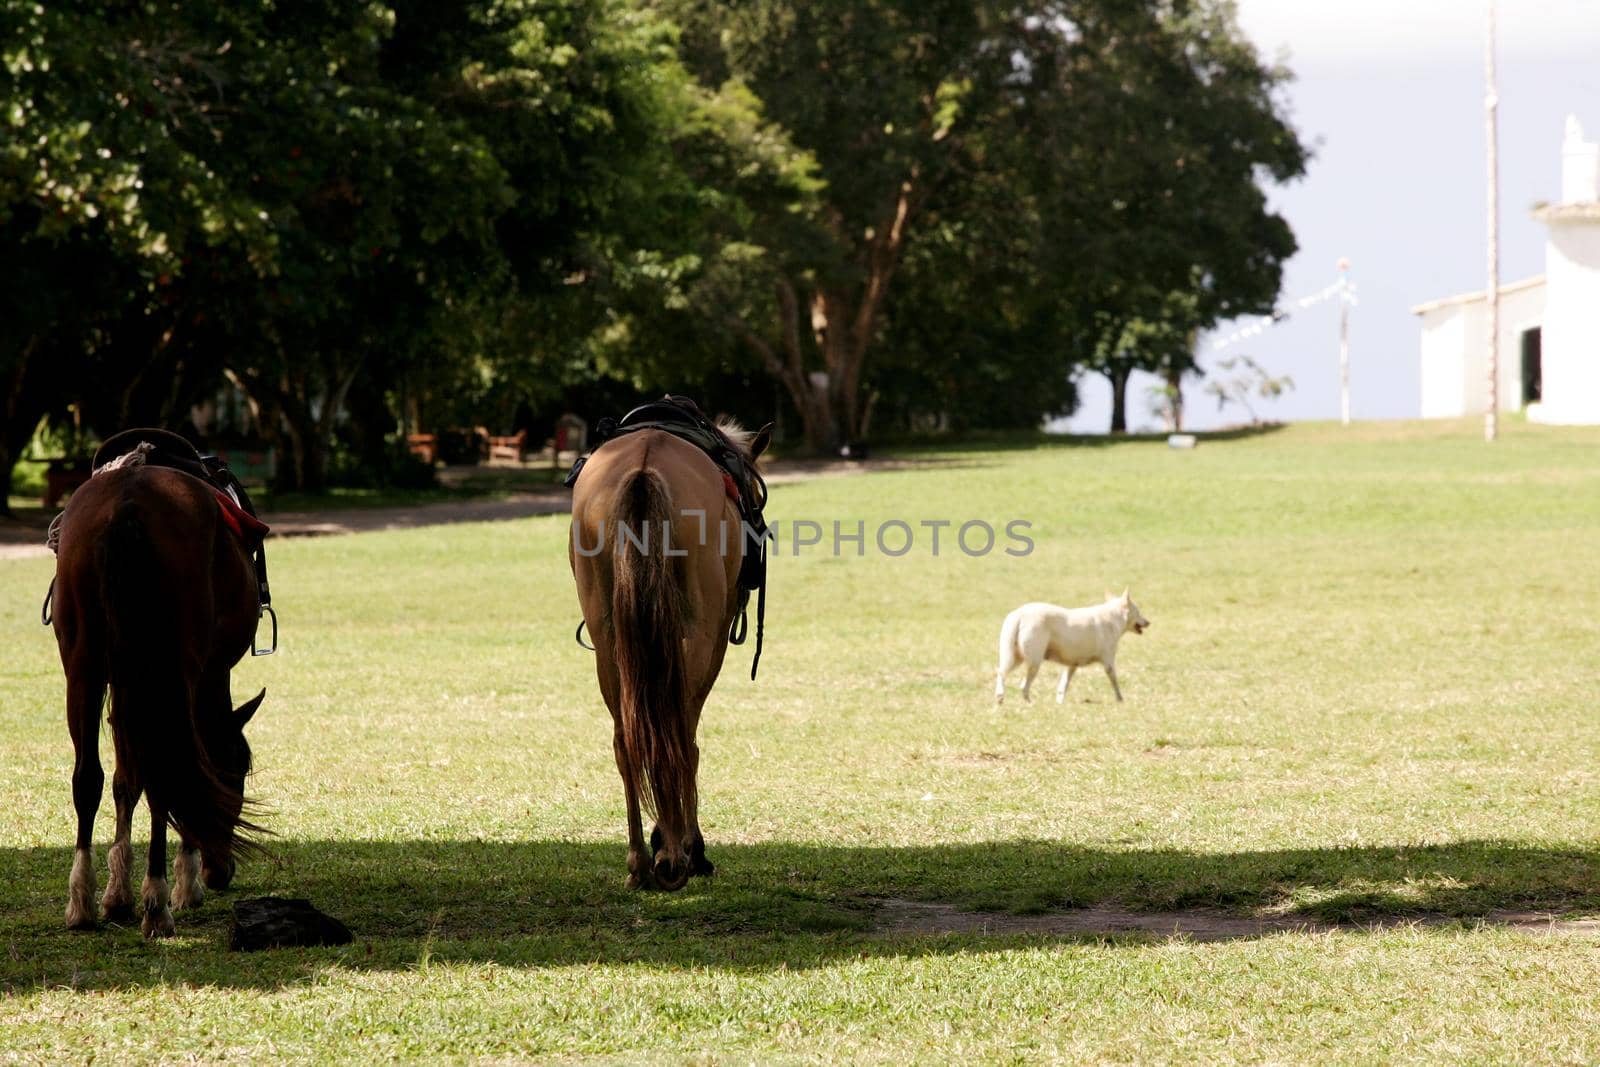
column 650, row 618
column 152, row 706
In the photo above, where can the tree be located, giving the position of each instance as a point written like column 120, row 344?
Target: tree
column 314, row 198
column 1121, row 143
column 96, row 201
column 873, row 93
column 1149, row 155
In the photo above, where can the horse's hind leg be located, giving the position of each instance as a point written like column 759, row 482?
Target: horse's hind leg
column 699, row 866
column 639, row 872
column 84, row 698
column 118, row 900
column 157, row 911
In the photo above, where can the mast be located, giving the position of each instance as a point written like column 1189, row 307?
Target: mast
column 1491, row 106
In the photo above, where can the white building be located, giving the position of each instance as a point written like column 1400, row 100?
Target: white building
column 1549, row 335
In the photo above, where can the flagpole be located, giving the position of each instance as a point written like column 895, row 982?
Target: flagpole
column 1491, row 106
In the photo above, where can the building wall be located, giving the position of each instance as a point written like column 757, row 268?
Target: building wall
column 1455, row 353
column 1572, row 324
column 1443, row 351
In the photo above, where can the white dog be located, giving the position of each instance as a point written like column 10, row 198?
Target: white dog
column 1072, row 637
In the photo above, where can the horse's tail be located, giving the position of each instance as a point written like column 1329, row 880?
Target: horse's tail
column 650, row 617
column 152, row 703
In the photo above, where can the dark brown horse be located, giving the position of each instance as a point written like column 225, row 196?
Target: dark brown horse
column 156, row 597
column 657, row 549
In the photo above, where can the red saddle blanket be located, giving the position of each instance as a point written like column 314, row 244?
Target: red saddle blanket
column 244, row 525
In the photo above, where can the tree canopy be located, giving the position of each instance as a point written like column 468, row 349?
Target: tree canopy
column 372, row 217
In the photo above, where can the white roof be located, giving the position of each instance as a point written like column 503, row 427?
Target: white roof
column 1473, row 298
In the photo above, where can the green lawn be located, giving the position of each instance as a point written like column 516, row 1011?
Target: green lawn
column 1367, row 698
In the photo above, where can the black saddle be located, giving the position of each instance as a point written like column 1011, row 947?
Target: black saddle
column 167, row 449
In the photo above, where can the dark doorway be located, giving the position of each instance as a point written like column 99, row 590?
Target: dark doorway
column 1531, row 356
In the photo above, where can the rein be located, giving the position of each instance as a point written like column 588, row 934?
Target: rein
column 682, row 418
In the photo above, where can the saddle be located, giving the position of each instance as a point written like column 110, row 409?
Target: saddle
column 163, row 448
column 154, row 447
column 682, row 417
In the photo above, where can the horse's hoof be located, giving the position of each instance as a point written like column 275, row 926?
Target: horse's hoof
column 670, row 875
column 120, row 912
column 157, row 924
column 635, row 881
column 82, row 922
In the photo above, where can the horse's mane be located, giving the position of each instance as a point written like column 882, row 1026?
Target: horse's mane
column 737, row 437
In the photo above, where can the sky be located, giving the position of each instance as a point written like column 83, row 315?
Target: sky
column 1389, row 95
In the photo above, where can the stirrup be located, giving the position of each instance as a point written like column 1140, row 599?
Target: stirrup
column 266, row 610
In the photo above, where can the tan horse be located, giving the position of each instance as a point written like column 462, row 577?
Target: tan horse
column 656, row 550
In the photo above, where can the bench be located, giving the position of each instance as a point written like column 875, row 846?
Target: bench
column 510, row 447
column 425, row 446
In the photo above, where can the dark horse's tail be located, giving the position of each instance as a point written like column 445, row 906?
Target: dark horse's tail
column 650, row 618
column 152, row 706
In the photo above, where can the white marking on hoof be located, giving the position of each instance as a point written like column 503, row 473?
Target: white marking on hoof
column 80, row 891
column 119, row 884
column 157, row 920
column 188, row 891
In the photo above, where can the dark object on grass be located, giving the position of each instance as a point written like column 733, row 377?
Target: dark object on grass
column 278, row 922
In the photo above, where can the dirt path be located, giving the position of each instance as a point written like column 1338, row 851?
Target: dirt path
column 23, row 538
column 914, row 918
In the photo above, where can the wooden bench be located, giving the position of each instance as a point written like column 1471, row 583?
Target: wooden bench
column 425, row 446
column 506, row 447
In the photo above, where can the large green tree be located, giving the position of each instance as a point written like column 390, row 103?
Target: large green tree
column 1110, row 149
column 1149, row 153
column 313, row 198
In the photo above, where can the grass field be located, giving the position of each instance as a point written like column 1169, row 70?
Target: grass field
column 1366, row 704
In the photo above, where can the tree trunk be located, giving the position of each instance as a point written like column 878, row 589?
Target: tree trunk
column 307, row 469
column 817, row 413
column 1175, row 397
column 283, row 412
column 1119, row 398
column 16, row 428
column 843, row 323
column 8, row 463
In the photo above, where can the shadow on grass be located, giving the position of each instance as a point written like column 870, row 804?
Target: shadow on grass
column 551, row 903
